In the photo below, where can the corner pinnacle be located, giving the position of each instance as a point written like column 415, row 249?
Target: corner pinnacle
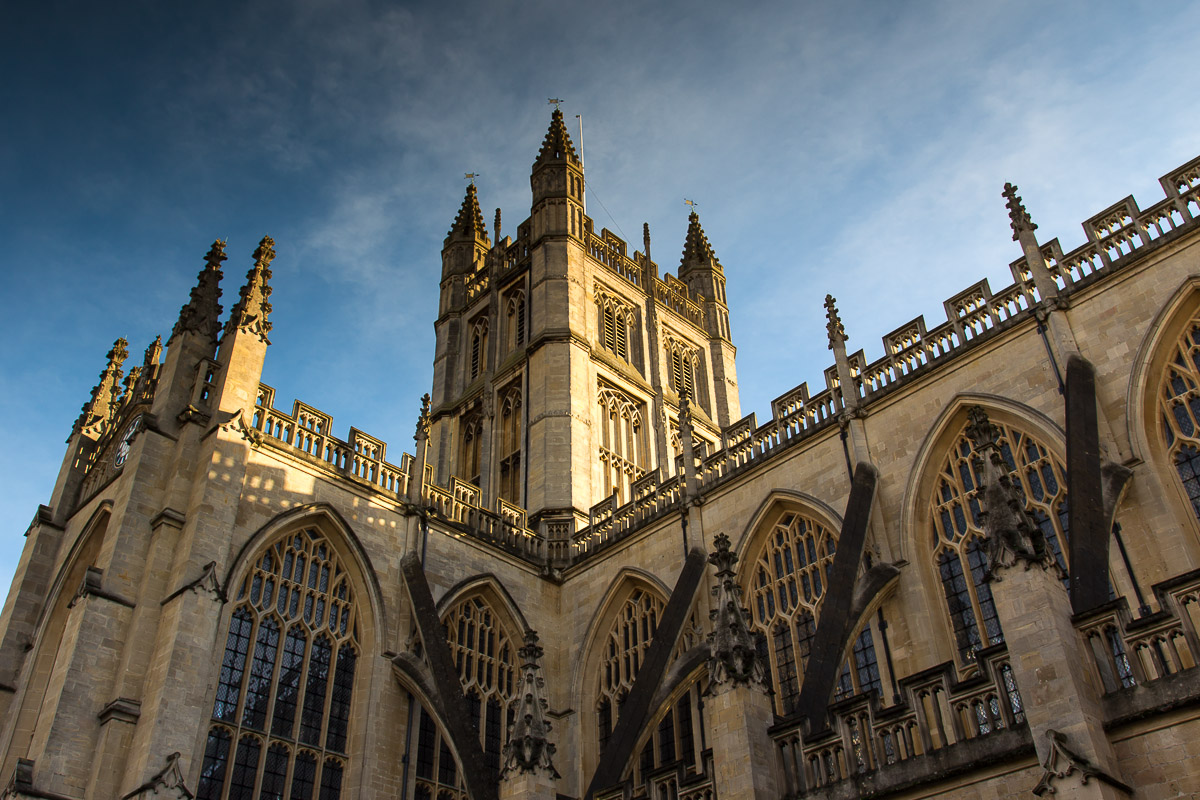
column 469, row 222
column 253, row 306
column 202, row 313
column 833, row 327
column 557, row 145
column 696, row 248
column 1017, row 215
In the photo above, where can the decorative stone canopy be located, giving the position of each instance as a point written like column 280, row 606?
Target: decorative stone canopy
column 529, row 749
column 734, row 659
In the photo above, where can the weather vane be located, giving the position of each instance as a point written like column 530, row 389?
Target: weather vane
column 690, row 203
column 554, row 101
column 471, row 176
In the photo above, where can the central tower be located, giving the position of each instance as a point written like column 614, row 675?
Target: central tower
column 561, row 360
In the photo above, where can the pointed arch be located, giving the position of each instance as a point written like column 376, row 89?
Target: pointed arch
column 303, row 614
column 770, row 504
column 1163, row 402
column 941, row 529
column 489, row 586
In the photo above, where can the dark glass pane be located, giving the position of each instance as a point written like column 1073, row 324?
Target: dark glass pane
column 262, row 670
column 426, row 742
column 245, row 767
column 304, row 776
column 314, row 692
column 339, row 702
column 287, row 690
column 491, row 739
column 233, row 666
column 275, row 773
column 666, row 739
column 331, row 780
column 212, row 773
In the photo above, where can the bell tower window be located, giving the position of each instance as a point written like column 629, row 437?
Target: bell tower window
column 479, row 334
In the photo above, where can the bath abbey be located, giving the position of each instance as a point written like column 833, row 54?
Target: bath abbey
column 962, row 565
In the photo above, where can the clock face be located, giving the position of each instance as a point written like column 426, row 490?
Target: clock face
column 122, row 453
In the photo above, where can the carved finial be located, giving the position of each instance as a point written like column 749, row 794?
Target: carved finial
column 468, row 224
column 834, row 325
column 529, row 749
column 646, row 240
column 1009, row 532
column 557, row 145
column 496, row 227
column 733, row 659
column 253, row 306
column 202, row 312
column 153, row 353
column 697, row 252
column 1017, row 215
column 423, row 420
column 98, row 411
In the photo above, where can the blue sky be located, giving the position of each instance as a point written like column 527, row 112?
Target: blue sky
column 856, row 148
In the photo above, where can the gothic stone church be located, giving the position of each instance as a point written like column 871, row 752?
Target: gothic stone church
column 968, row 568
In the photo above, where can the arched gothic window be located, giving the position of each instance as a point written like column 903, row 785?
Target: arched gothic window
column 957, row 533
column 469, row 457
column 622, row 441
column 280, row 721
column 486, row 657
column 479, row 334
column 787, row 586
column 676, row 737
column 616, row 321
column 510, row 445
column 1179, row 409
column 516, row 320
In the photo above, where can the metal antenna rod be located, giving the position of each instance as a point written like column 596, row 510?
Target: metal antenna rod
column 582, row 162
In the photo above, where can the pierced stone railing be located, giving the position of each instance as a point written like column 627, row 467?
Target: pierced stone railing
column 935, row 711
column 1132, row 651
column 609, row 249
column 609, row 522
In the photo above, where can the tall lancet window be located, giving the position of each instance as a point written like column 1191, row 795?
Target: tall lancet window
column 281, row 718
column 477, row 364
column 510, row 445
column 615, row 322
column 787, row 587
column 1179, row 410
column 516, row 320
column 957, row 533
column 486, row 656
column 622, row 442
column 471, row 448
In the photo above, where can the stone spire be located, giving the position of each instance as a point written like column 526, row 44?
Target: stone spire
column 557, row 145
column 1010, row 534
column 697, row 252
column 97, row 412
column 834, row 325
column 1017, row 215
column 202, row 312
column 529, row 749
column 733, row 658
column 468, row 224
column 253, row 305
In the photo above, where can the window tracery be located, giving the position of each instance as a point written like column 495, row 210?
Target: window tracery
column 1179, row 411
column 622, row 441
column 479, row 334
column 674, row 740
column 787, row 586
column 471, row 448
column 516, row 320
column 957, row 547
column 616, row 320
column 510, row 445
column 485, row 655
column 281, row 716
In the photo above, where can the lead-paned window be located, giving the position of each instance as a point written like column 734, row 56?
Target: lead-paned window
column 291, row 646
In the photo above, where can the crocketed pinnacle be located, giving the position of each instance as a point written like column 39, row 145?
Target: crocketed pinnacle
column 105, row 394
column 834, row 325
column 468, row 225
column 696, row 249
column 733, row 652
column 202, row 313
column 557, row 145
column 529, row 749
column 1017, row 215
column 251, row 314
column 1010, row 535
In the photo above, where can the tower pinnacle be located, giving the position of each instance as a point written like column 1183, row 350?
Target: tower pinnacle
column 468, row 224
column 557, row 145
column 201, row 314
column 834, row 325
column 253, row 306
column 697, row 252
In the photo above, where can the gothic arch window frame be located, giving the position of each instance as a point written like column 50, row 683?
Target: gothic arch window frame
column 470, row 447
column 624, row 440
column 794, row 582
column 588, row 670
column 363, row 607
column 517, row 318
column 1144, row 402
column 477, row 346
column 616, row 323
column 509, row 459
column 918, row 539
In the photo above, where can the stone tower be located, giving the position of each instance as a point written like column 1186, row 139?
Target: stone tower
column 561, row 359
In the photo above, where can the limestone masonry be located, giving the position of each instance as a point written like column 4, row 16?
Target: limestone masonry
column 594, row 578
